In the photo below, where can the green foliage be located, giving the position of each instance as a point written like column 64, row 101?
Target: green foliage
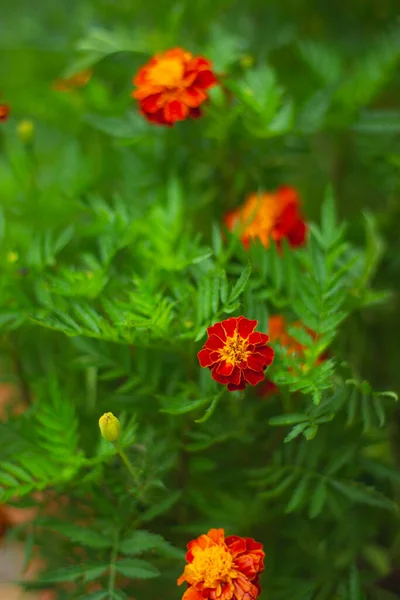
column 115, row 260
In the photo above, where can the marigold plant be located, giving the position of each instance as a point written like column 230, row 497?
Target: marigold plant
column 198, row 320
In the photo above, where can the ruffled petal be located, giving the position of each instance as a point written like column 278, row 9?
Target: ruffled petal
column 246, row 326
column 225, row 368
column 207, row 357
column 192, row 594
column 214, row 343
column 205, row 80
column 217, row 330
column 258, row 338
column 230, row 326
column 216, row 535
column 151, row 104
column 266, row 352
column 193, row 97
column 175, row 111
column 235, row 544
column 255, row 362
column 253, row 377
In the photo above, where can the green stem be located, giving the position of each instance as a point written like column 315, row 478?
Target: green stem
column 113, row 571
column 127, row 462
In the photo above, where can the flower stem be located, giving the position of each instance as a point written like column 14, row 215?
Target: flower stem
column 127, row 462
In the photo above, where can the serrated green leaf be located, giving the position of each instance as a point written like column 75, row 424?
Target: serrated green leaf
column 240, row 285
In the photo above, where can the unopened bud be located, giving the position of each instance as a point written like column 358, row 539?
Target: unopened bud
column 110, row 427
column 26, row 131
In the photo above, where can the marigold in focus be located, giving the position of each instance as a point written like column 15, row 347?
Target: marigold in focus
column 75, row 81
column 222, row 568
column 172, row 86
column 236, row 354
column 269, row 217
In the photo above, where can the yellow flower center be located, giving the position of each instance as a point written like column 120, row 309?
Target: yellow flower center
column 213, row 566
column 168, row 72
column 235, row 350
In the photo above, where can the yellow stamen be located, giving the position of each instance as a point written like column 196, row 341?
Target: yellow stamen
column 235, row 350
column 212, row 567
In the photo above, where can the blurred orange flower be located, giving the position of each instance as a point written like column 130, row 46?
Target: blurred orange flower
column 277, row 331
column 4, row 112
column 172, row 86
column 75, row 81
column 266, row 217
column 222, row 568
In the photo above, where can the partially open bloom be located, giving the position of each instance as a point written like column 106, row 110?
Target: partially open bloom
column 222, row 568
column 269, row 217
column 278, row 332
column 236, row 354
column 75, row 81
column 172, row 86
column 4, row 112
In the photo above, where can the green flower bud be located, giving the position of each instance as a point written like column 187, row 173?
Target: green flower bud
column 110, row 427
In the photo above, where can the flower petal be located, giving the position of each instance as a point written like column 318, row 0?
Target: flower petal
column 205, row 80
column 192, row 594
column 230, row 326
column 235, row 544
column 193, row 97
column 266, row 352
column 255, row 362
column 217, row 330
column 258, row 338
column 151, row 104
column 207, row 357
column 225, row 368
column 216, row 535
column 253, row 377
column 246, row 326
column 175, row 111
column 214, row 343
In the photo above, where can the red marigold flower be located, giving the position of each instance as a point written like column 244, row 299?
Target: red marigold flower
column 236, row 354
column 269, row 217
column 172, row 86
column 75, row 81
column 222, row 568
column 4, row 112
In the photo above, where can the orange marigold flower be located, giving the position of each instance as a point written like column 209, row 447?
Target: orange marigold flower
column 4, row 112
column 277, row 330
column 222, row 568
column 269, row 217
column 75, row 81
column 172, row 86
column 236, row 354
